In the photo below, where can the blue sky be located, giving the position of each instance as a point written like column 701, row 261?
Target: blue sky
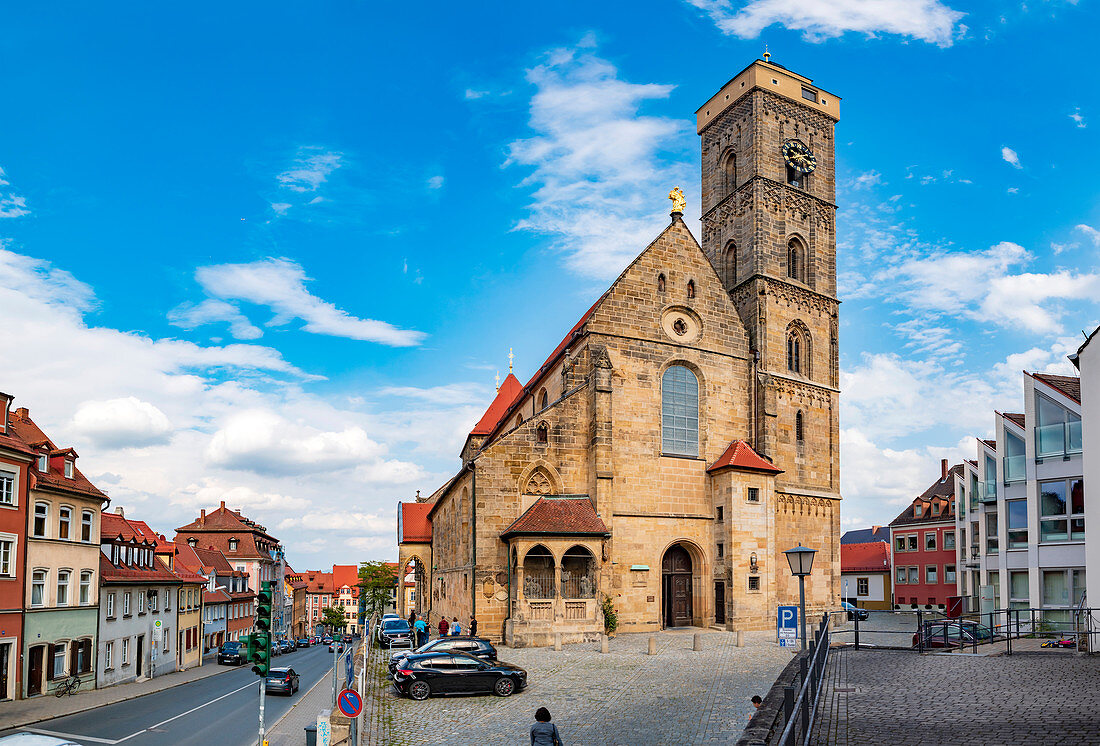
column 275, row 254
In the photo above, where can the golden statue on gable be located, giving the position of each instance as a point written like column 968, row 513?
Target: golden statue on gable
column 678, row 201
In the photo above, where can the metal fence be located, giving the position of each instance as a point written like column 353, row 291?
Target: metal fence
column 800, row 708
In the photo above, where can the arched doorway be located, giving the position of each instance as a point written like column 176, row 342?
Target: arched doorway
column 676, row 586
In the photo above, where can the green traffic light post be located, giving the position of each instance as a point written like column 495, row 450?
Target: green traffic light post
column 259, row 646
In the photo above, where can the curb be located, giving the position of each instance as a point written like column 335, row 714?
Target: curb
column 78, row 710
column 324, row 679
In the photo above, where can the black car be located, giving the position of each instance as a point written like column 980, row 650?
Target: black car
column 303, row 643
column 281, row 681
column 395, row 632
column 475, row 646
column 287, row 646
column 336, row 647
column 422, row 675
column 232, row 653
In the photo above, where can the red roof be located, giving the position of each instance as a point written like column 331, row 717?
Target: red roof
column 345, row 575
column 506, row 394
column 874, row 556
column 740, row 455
column 23, row 428
column 218, row 596
column 1067, row 385
column 413, row 523
column 113, row 526
column 159, row 573
column 1018, row 419
column 319, row 582
column 560, row 516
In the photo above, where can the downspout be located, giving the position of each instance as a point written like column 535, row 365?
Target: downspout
column 473, row 540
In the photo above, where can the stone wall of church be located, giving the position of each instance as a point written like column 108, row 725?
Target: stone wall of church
column 813, row 522
column 452, row 556
column 747, row 528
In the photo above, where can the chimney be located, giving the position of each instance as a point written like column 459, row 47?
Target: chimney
column 223, row 505
column 22, row 413
column 118, row 511
column 202, row 517
column 943, row 470
column 874, row 530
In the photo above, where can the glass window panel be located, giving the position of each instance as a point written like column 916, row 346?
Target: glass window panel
column 1052, row 498
column 991, row 471
column 913, row 575
column 680, row 411
column 1054, row 530
column 1078, row 586
column 1077, row 496
column 948, row 539
column 1055, row 589
column 1017, row 587
column 1013, row 446
column 1077, row 529
column 901, row 574
column 949, row 574
column 1048, row 412
column 1073, row 435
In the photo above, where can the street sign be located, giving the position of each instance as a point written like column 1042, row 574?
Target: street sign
column 349, row 668
column 350, row 703
column 786, row 623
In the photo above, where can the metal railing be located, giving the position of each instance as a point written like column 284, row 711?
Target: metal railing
column 800, row 709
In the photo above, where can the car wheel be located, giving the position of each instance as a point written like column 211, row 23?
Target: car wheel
column 504, row 686
column 419, row 690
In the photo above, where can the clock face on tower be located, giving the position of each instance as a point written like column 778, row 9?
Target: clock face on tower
column 798, row 156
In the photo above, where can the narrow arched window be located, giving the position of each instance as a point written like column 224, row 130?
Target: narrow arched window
column 542, row 432
column 691, row 288
column 731, row 264
column 795, row 260
column 794, row 352
column 544, row 400
column 798, row 430
column 729, row 172
column 679, row 412
column 660, row 283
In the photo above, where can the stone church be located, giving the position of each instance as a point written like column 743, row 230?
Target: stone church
column 685, row 431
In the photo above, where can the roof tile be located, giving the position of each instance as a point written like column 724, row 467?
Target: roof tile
column 558, row 515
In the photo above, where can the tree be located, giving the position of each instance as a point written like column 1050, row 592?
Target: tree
column 333, row 617
column 376, row 583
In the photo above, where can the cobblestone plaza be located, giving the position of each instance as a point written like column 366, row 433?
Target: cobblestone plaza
column 678, row 696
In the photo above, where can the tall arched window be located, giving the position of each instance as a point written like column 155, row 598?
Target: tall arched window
column 798, row 430
column 796, row 260
column 544, row 400
column 729, row 172
column 794, row 352
column 731, row 264
column 798, row 348
column 660, row 283
column 691, row 289
column 679, row 412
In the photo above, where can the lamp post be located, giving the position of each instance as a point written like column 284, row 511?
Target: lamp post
column 801, row 560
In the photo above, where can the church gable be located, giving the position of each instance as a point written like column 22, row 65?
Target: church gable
column 671, row 294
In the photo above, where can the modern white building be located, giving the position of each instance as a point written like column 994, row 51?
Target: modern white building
column 1021, row 513
column 1087, row 361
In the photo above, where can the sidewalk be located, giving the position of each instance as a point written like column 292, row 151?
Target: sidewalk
column 27, row 711
column 290, row 730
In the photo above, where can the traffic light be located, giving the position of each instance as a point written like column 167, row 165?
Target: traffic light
column 259, row 642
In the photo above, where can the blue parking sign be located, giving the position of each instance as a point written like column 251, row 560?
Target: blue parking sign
column 786, row 626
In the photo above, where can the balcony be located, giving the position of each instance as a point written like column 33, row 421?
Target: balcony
column 987, row 492
column 1059, row 439
column 1015, row 468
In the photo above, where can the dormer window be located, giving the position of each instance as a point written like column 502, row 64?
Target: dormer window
column 43, row 463
column 192, row 542
column 232, row 545
column 917, row 511
column 68, row 469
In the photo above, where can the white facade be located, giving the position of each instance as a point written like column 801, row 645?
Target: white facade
column 1087, row 361
column 853, row 584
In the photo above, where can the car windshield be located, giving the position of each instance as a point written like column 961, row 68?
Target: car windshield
column 231, row 647
column 395, row 625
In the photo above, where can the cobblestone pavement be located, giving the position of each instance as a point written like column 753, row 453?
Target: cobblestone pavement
column 902, row 698
column 678, row 696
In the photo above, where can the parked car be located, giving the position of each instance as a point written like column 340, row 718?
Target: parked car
column 275, row 649
column 854, row 612
column 347, row 638
column 303, row 643
column 35, row 739
column 958, row 631
column 395, row 632
column 281, row 681
column 326, row 639
column 232, row 654
column 421, row 676
column 336, row 647
column 287, row 646
column 389, row 615
column 475, row 646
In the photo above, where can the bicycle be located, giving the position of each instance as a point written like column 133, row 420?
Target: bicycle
column 67, row 686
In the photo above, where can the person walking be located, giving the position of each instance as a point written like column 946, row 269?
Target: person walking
column 421, row 628
column 412, row 619
column 443, row 626
column 543, row 732
column 456, row 628
column 473, row 626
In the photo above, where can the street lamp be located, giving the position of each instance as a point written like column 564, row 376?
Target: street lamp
column 801, row 560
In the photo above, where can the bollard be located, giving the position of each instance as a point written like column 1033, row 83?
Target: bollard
column 740, row 641
column 653, row 646
column 557, row 641
column 697, row 643
column 603, row 644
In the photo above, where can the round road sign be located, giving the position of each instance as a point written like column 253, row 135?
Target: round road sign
column 350, row 703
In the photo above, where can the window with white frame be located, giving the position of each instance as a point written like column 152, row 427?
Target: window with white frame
column 43, row 463
column 126, row 603
column 912, row 542
column 64, row 521
column 899, row 544
column 948, row 539
column 68, row 469
column 63, row 578
column 110, row 605
column 167, row 600
column 41, row 519
column 8, row 544
column 59, row 660
column 949, row 575
column 914, row 575
column 1062, row 510
column 108, row 655
column 930, row 541
column 86, row 522
column 7, row 486
column 930, row 572
column 167, row 637
column 141, row 602
column 85, row 587
column 863, row 587
column 153, row 600
column 126, row 651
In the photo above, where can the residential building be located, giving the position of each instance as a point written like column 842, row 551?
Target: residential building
column 865, row 575
column 319, row 596
column 345, row 583
column 1026, row 498
column 61, row 580
column 924, row 561
column 864, row 535
column 217, row 599
column 685, row 431
column 1087, row 360
column 185, row 563
column 296, row 588
column 137, row 612
column 245, row 543
column 15, row 470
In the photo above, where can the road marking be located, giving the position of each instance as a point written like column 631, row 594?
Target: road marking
column 177, row 717
column 68, row 736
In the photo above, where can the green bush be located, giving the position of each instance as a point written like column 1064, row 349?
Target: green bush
column 610, row 616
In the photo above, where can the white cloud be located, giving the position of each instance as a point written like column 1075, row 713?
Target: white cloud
column 12, row 205
column 280, row 284
column 1092, row 233
column 1013, row 190
column 867, row 180
column 927, row 20
column 126, row 422
column 436, row 182
column 1010, row 157
column 472, row 95
column 280, row 208
column 1078, row 119
column 311, row 168
column 447, row 394
column 597, row 163
column 210, row 311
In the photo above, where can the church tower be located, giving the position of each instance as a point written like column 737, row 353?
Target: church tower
column 769, row 229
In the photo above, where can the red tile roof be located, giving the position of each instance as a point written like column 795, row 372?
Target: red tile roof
column 506, row 394
column 873, row 556
column 563, row 516
column 215, row 559
column 413, row 523
column 1017, row 419
column 992, row 444
column 345, row 575
column 1067, row 385
column 740, row 455
column 113, row 526
column 319, row 582
column 215, row 597
column 159, row 573
column 24, row 428
column 941, row 492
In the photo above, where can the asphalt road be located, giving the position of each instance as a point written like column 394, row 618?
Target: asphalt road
column 221, row 710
